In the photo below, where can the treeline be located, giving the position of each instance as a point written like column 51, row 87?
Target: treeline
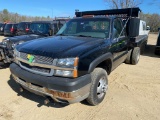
column 152, row 20
column 6, row 16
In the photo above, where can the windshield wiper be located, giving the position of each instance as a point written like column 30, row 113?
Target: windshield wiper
column 61, row 34
column 83, row 36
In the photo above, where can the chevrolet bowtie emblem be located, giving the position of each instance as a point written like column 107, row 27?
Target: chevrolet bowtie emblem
column 30, row 58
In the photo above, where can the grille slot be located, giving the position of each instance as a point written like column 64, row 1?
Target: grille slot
column 35, row 68
column 38, row 59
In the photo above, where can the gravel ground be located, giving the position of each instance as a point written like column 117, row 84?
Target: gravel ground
column 134, row 94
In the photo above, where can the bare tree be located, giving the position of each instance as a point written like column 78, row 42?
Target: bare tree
column 154, row 22
column 117, row 4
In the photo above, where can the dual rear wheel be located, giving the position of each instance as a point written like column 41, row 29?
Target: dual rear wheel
column 133, row 56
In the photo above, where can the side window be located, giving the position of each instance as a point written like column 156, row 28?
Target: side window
column 144, row 26
column 117, row 28
column 15, row 26
column 28, row 25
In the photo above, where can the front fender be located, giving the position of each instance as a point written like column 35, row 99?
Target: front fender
column 99, row 60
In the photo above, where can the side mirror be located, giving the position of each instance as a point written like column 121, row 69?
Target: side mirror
column 147, row 28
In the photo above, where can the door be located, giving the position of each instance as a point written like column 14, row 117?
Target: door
column 121, row 42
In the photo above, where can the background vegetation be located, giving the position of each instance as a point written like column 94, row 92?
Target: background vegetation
column 152, row 20
column 6, row 16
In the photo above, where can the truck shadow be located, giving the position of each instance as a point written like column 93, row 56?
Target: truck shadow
column 149, row 51
column 4, row 66
column 33, row 97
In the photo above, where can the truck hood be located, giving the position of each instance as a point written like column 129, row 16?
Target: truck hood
column 59, row 47
column 24, row 38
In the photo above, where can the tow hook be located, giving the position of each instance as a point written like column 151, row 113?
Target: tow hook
column 21, row 89
column 46, row 101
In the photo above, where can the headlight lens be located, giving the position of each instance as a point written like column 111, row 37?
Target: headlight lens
column 64, row 73
column 16, row 54
column 68, row 62
column 15, row 44
column 5, row 41
column 71, row 63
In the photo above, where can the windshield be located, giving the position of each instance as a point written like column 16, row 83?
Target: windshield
column 21, row 26
column 87, row 27
column 42, row 28
column 8, row 26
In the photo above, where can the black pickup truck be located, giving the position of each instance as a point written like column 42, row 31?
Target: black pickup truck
column 73, row 65
column 38, row 29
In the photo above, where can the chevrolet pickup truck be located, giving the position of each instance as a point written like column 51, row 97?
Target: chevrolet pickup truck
column 74, row 65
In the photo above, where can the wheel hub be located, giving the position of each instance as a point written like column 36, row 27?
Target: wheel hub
column 102, row 87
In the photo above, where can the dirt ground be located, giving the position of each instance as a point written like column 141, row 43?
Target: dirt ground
column 134, row 94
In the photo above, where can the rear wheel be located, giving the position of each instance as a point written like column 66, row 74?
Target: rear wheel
column 99, row 86
column 135, row 55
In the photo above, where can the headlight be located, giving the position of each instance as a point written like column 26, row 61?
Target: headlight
column 15, row 44
column 4, row 41
column 16, row 54
column 68, row 62
column 69, row 66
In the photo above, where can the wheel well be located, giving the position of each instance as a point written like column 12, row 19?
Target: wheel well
column 106, row 65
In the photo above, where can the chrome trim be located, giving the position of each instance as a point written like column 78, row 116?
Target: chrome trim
column 43, row 65
column 38, row 72
column 77, row 95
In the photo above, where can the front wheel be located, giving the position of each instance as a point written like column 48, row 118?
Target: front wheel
column 99, row 86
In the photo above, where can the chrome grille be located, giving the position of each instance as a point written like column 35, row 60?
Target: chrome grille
column 38, row 59
column 35, row 68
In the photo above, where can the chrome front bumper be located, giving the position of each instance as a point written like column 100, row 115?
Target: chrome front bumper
column 58, row 96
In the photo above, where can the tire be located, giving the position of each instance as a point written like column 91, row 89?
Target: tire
column 128, row 59
column 135, row 56
column 99, row 86
column 2, row 65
